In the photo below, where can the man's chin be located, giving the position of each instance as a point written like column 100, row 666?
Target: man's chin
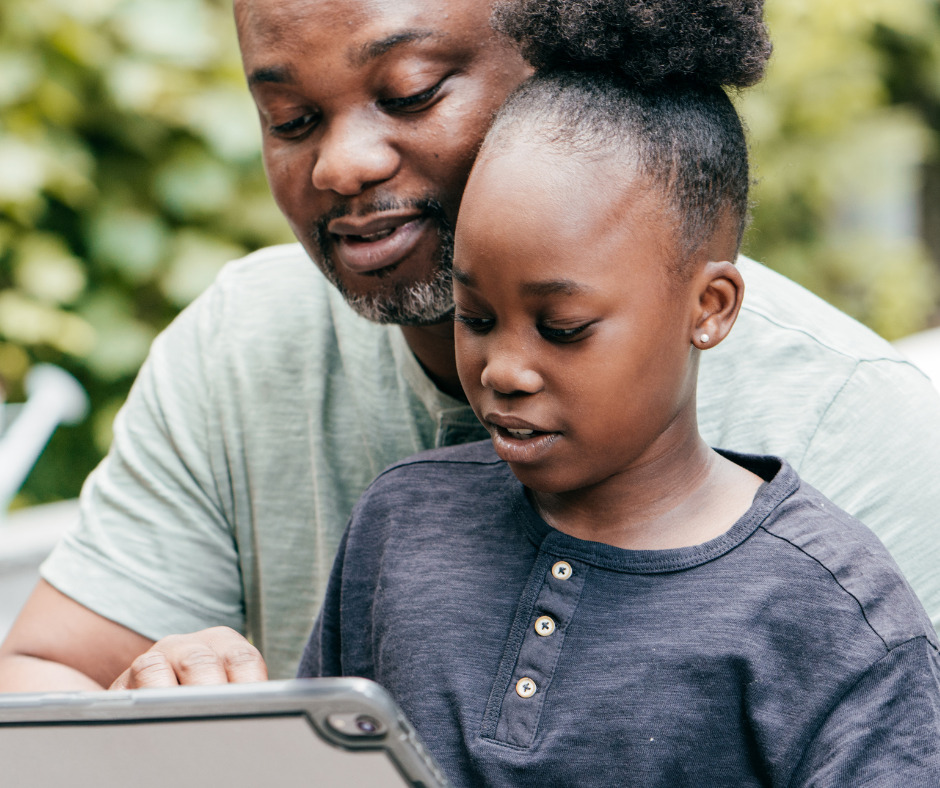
column 413, row 304
column 391, row 300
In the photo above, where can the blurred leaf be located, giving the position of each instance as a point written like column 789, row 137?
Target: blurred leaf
column 29, row 322
column 46, row 270
column 122, row 341
column 24, row 167
column 193, row 185
column 175, row 30
column 129, row 240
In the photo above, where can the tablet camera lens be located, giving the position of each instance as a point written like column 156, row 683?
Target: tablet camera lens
column 356, row 724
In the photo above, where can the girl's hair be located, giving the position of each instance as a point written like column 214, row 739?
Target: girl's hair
column 646, row 77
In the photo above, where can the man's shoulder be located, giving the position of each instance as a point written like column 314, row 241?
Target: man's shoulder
column 280, row 279
column 272, row 301
column 778, row 310
column 791, row 363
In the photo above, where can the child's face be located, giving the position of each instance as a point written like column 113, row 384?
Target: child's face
column 573, row 339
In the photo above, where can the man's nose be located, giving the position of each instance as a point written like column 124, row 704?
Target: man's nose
column 354, row 154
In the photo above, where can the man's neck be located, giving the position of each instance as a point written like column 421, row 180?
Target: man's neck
column 433, row 346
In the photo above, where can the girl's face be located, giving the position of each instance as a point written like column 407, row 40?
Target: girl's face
column 574, row 340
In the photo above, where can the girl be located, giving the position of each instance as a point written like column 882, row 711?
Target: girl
column 595, row 596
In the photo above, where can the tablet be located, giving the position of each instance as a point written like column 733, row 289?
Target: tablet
column 330, row 733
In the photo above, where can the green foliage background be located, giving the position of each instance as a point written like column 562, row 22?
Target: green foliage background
column 129, row 172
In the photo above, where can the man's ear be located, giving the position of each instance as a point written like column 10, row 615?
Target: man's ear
column 720, row 290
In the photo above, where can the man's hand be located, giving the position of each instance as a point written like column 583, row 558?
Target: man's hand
column 211, row 656
column 58, row 644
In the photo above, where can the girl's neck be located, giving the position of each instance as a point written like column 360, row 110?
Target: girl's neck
column 685, row 497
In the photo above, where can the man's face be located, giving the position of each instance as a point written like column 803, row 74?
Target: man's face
column 371, row 114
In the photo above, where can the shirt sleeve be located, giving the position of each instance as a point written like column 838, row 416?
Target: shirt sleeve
column 154, row 550
column 885, row 731
column 875, row 453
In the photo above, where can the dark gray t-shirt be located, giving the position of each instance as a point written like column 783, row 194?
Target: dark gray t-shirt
column 787, row 652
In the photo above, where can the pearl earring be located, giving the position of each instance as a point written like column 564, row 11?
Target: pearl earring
column 704, row 339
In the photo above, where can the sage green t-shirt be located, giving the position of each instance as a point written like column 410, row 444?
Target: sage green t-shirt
column 266, row 408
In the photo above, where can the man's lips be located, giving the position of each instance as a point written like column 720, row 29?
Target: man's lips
column 370, row 243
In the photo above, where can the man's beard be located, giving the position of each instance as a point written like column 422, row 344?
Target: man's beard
column 418, row 303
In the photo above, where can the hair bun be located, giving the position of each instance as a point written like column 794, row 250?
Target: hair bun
column 651, row 42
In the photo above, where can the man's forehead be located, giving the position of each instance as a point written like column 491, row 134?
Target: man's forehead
column 390, row 19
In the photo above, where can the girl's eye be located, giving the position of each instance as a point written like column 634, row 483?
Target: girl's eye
column 294, row 128
column 562, row 335
column 478, row 325
column 413, row 103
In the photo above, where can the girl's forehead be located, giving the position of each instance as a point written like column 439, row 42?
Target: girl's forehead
column 532, row 213
column 529, row 183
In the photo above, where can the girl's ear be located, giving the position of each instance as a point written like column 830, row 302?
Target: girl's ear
column 720, row 289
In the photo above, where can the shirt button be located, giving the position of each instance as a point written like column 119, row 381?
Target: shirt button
column 561, row 570
column 544, row 626
column 525, row 687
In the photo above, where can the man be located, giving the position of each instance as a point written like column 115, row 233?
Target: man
column 270, row 404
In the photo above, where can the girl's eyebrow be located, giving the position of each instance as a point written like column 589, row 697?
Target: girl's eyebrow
column 548, row 287
column 462, row 277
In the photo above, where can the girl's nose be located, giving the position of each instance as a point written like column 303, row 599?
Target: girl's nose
column 507, row 371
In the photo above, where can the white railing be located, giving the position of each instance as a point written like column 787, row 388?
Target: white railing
column 26, row 536
column 54, row 397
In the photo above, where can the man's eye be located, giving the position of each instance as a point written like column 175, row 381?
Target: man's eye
column 564, row 334
column 413, row 103
column 294, row 128
column 478, row 325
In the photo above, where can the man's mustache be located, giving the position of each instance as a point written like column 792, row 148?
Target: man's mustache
column 428, row 206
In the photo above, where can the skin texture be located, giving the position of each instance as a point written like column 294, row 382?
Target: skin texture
column 376, row 134
column 58, row 644
column 371, row 112
column 571, row 325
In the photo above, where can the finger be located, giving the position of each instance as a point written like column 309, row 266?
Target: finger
column 242, row 662
column 245, row 665
column 199, row 663
column 219, row 655
column 150, row 669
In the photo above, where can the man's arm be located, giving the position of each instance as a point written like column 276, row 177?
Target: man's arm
column 58, row 644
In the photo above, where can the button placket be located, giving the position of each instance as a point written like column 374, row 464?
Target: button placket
column 552, row 610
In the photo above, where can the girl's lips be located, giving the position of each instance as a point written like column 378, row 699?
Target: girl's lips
column 521, row 446
column 378, row 247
